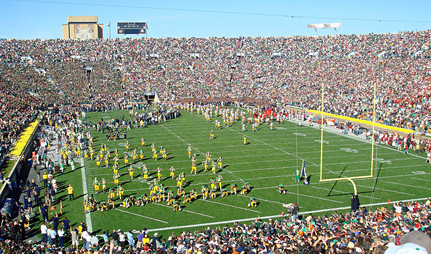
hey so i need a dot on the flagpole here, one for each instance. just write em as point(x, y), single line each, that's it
point(297, 166)
point(321, 133)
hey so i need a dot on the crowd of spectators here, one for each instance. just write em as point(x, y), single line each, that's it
point(362, 231)
point(109, 74)
point(287, 70)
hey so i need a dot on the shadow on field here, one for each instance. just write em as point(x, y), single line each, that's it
point(351, 193)
point(188, 183)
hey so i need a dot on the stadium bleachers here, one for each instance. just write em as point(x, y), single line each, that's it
point(36, 74)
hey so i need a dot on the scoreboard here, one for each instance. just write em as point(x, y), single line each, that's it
point(132, 27)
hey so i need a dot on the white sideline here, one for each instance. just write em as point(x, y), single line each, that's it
point(273, 216)
point(85, 192)
point(146, 217)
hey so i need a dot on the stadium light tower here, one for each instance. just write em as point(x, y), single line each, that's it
point(324, 26)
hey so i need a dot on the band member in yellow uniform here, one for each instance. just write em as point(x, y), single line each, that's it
point(181, 192)
point(205, 165)
point(159, 173)
point(164, 154)
point(220, 162)
point(213, 194)
point(116, 178)
point(161, 150)
point(171, 197)
point(116, 160)
point(187, 199)
point(189, 151)
point(172, 172)
point(176, 206)
point(131, 169)
point(120, 191)
point(145, 172)
point(213, 167)
point(204, 191)
point(193, 195)
point(193, 168)
point(224, 193)
point(142, 141)
point(115, 168)
point(245, 140)
point(208, 156)
point(106, 161)
point(233, 189)
point(219, 178)
point(213, 184)
point(126, 159)
point(96, 185)
point(86, 206)
point(98, 161)
point(244, 190)
point(212, 134)
point(141, 155)
point(135, 155)
point(111, 193)
point(252, 202)
point(183, 178)
point(179, 183)
point(155, 155)
point(103, 183)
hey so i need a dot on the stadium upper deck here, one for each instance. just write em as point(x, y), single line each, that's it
point(280, 70)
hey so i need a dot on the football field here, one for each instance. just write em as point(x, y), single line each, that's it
point(270, 158)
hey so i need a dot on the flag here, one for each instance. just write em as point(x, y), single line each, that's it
point(303, 170)
point(304, 173)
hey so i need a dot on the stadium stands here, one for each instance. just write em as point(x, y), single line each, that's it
point(36, 74)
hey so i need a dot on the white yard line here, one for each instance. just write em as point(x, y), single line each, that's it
point(342, 192)
point(237, 207)
point(314, 197)
point(398, 192)
point(420, 179)
point(187, 211)
point(146, 217)
point(408, 185)
point(85, 192)
point(266, 200)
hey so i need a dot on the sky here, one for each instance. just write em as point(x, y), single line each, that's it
point(43, 19)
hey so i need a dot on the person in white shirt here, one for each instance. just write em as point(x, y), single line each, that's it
point(122, 239)
point(94, 240)
point(44, 232)
point(52, 237)
point(84, 235)
point(60, 234)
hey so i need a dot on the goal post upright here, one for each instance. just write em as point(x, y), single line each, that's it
point(321, 131)
point(350, 179)
point(372, 133)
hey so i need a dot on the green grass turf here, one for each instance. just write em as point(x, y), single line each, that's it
point(270, 159)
